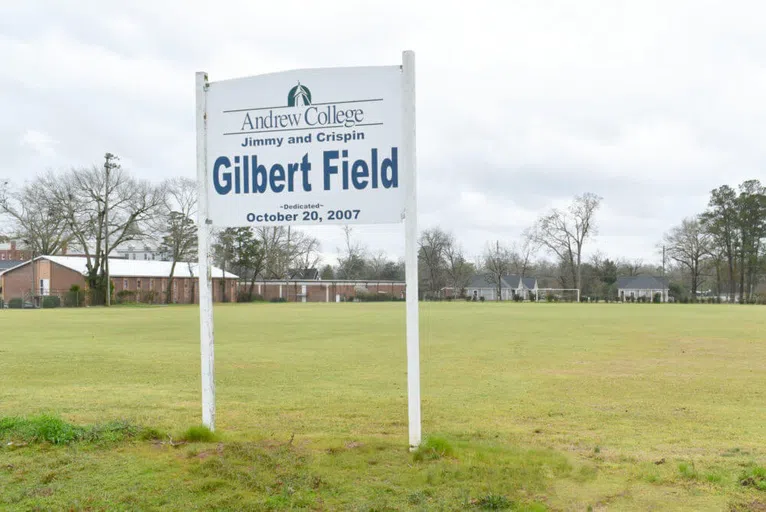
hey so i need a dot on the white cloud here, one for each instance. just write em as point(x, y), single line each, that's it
point(521, 105)
point(40, 143)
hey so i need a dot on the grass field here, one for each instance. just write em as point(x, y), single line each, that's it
point(527, 407)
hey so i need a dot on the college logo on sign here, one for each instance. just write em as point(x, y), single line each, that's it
point(300, 95)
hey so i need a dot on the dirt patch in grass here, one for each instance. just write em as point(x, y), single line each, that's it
point(753, 506)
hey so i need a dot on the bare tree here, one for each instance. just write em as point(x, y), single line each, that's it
point(457, 268)
point(377, 264)
point(688, 244)
point(432, 244)
point(631, 267)
point(286, 249)
point(496, 263)
point(564, 233)
point(175, 225)
point(35, 219)
point(303, 250)
point(352, 261)
point(80, 196)
point(522, 256)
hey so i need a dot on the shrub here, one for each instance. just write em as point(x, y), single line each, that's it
point(148, 297)
point(657, 298)
point(75, 298)
point(51, 301)
point(15, 303)
point(278, 299)
point(481, 298)
point(125, 296)
point(374, 297)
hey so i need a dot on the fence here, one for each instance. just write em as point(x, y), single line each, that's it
point(321, 291)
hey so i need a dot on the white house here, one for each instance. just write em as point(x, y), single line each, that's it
point(482, 285)
point(133, 252)
point(642, 286)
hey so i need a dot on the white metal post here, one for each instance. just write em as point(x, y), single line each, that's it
point(203, 270)
point(411, 246)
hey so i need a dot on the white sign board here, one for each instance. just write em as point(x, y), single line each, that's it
point(309, 147)
point(317, 146)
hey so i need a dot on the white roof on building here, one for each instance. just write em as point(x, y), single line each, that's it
point(134, 268)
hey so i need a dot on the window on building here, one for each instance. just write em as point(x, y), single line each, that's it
point(151, 284)
point(124, 284)
point(138, 284)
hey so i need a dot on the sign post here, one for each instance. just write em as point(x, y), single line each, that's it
point(411, 247)
point(309, 147)
point(203, 268)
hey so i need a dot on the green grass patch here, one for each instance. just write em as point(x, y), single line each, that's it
point(688, 471)
point(715, 476)
point(561, 406)
point(755, 477)
point(433, 448)
point(199, 434)
point(53, 430)
point(493, 502)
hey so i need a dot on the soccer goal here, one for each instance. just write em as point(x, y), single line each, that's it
point(557, 295)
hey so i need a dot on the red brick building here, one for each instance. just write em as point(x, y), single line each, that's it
point(324, 291)
point(10, 251)
point(134, 280)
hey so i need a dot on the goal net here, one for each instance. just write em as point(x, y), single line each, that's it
point(557, 295)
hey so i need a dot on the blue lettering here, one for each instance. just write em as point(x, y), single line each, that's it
point(260, 179)
point(277, 175)
point(390, 179)
point(236, 175)
point(328, 168)
point(360, 170)
point(219, 175)
point(305, 168)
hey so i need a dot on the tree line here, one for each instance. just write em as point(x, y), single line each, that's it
point(560, 233)
point(96, 210)
point(723, 247)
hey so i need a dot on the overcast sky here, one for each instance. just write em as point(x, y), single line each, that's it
point(521, 105)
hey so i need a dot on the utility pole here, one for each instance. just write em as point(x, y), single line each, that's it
point(108, 166)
